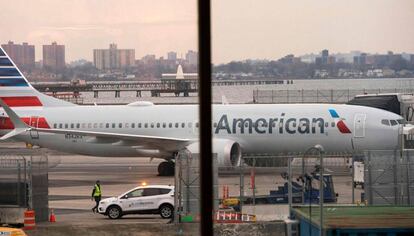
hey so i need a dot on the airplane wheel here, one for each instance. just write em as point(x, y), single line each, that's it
point(166, 168)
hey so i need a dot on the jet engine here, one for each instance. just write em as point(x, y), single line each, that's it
point(228, 152)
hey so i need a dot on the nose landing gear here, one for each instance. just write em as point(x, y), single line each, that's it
point(166, 168)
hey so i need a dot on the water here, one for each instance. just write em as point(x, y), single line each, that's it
point(244, 93)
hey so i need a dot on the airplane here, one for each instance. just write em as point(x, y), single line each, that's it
point(142, 129)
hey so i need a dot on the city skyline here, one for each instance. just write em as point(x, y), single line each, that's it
point(241, 29)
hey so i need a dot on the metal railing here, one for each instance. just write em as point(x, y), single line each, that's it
point(318, 95)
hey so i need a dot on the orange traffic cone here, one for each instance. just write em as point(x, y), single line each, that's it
point(52, 216)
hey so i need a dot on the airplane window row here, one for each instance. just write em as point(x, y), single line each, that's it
point(121, 125)
point(153, 125)
point(392, 122)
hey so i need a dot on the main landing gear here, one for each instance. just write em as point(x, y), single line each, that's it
point(166, 168)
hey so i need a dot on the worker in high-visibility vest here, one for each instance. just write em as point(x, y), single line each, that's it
point(96, 195)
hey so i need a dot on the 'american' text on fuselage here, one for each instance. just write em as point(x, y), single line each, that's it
point(271, 125)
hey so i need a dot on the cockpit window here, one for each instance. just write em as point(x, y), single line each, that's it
point(401, 121)
point(385, 122)
point(393, 122)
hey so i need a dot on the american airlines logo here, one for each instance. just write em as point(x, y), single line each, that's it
point(339, 122)
point(278, 125)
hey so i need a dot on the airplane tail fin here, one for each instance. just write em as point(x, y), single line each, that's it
point(16, 91)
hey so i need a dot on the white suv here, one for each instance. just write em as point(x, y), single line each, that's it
point(151, 199)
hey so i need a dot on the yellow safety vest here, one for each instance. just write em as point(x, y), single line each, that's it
point(97, 192)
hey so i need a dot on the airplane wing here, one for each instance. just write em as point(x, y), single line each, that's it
point(132, 140)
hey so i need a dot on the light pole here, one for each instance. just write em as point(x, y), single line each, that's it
point(321, 151)
point(321, 186)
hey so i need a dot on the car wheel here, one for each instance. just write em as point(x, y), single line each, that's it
point(114, 212)
point(166, 211)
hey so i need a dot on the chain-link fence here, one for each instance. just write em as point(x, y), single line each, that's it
point(14, 181)
point(318, 95)
point(263, 183)
point(389, 177)
point(24, 181)
point(187, 186)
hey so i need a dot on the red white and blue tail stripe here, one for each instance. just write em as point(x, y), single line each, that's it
point(16, 91)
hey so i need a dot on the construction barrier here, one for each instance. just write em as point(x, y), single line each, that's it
point(29, 220)
point(233, 217)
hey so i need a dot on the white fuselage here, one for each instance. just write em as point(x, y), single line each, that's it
point(267, 128)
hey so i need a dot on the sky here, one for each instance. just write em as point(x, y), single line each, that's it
point(241, 29)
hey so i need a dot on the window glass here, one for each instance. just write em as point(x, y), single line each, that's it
point(55, 126)
point(385, 122)
point(164, 190)
point(151, 191)
point(72, 126)
point(60, 126)
point(77, 125)
point(89, 125)
point(170, 125)
point(401, 121)
point(393, 122)
point(126, 125)
point(152, 125)
point(107, 125)
point(196, 124)
point(139, 125)
point(146, 125)
point(66, 126)
point(101, 125)
point(164, 125)
point(333, 124)
point(158, 125)
point(135, 193)
point(95, 125)
point(113, 125)
point(183, 125)
point(132, 125)
point(176, 125)
point(120, 125)
point(83, 125)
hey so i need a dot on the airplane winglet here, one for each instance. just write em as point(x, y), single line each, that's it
point(19, 125)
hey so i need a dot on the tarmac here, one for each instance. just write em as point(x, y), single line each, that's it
point(72, 177)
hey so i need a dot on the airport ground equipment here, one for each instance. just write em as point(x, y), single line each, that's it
point(356, 220)
point(12, 231)
point(358, 174)
point(398, 103)
point(309, 194)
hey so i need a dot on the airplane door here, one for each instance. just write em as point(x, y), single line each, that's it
point(34, 122)
point(195, 127)
point(359, 125)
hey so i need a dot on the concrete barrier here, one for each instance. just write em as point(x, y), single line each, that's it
point(265, 228)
